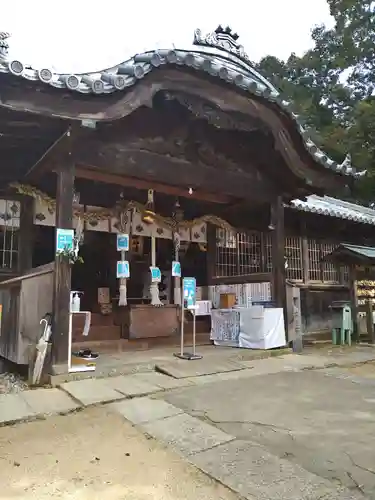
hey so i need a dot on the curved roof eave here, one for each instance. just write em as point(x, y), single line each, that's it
point(333, 207)
point(217, 54)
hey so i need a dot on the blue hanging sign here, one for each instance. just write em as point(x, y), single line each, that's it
point(64, 240)
point(189, 286)
point(155, 274)
point(176, 269)
point(122, 242)
point(123, 269)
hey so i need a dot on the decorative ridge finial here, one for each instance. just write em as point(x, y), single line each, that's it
point(346, 165)
point(4, 46)
point(226, 31)
point(222, 38)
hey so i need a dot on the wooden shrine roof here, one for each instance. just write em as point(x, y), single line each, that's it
point(354, 254)
point(113, 93)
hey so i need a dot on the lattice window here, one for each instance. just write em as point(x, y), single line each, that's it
point(238, 254)
point(9, 232)
point(345, 274)
point(331, 272)
point(226, 253)
point(293, 254)
point(314, 260)
point(249, 252)
point(318, 269)
point(267, 248)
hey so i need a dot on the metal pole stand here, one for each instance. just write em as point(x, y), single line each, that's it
point(190, 356)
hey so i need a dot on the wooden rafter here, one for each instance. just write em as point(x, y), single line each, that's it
point(83, 172)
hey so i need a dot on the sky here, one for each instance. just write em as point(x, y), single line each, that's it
point(80, 35)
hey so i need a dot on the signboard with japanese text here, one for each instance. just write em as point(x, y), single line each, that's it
point(64, 240)
point(189, 286)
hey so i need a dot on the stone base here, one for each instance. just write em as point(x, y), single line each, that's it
point(59, 369)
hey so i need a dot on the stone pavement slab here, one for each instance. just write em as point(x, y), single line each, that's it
point(304, 362)
point(197, 368)
point(186, 434)
point(144, 410)
point(321, 423)
point(161, 380)
point(49, 401)
point(253, 472)
point(289, 362)
point(131, 386)
point(13, 407)
point(91, 391)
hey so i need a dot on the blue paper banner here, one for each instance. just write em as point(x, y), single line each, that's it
point(122, 242)
point(123, 269)
point(176, 269)
point(155, 274)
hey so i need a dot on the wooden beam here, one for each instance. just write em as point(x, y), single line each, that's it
point(45, 160)
point(244, 278)
point(62, 275)
point(61, 148)
point(120, 180)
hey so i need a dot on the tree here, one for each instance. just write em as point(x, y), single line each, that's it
point(353, 47)
point(332, 86)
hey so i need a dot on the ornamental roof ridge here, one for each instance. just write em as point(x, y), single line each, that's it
point(222, 38)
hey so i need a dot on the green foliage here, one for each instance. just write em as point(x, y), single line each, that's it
point(333, 86)
point(71, 256)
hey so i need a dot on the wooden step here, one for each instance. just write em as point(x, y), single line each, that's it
point(97, 333)
point(202, 325)
point(112, 346)
point(97, 319)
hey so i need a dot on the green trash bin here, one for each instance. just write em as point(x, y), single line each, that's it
point(342, 325)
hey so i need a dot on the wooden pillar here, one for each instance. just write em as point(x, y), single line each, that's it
point(26, 236)
point(62, 281)
point(211, 253)
point(278, 256)
point(354, 301)
point(305, 253)
point(369, 321)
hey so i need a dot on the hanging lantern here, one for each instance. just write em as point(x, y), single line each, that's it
point(149, 213)
point(76, 197)
point(178, 213)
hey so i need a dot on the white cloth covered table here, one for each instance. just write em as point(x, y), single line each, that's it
point(255, 327)
point(262, 330)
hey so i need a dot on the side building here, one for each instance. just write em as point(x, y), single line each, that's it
point(314, 227)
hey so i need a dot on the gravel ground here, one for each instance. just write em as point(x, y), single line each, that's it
point(11, 383)
point(95, 455)
point(366, 370)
